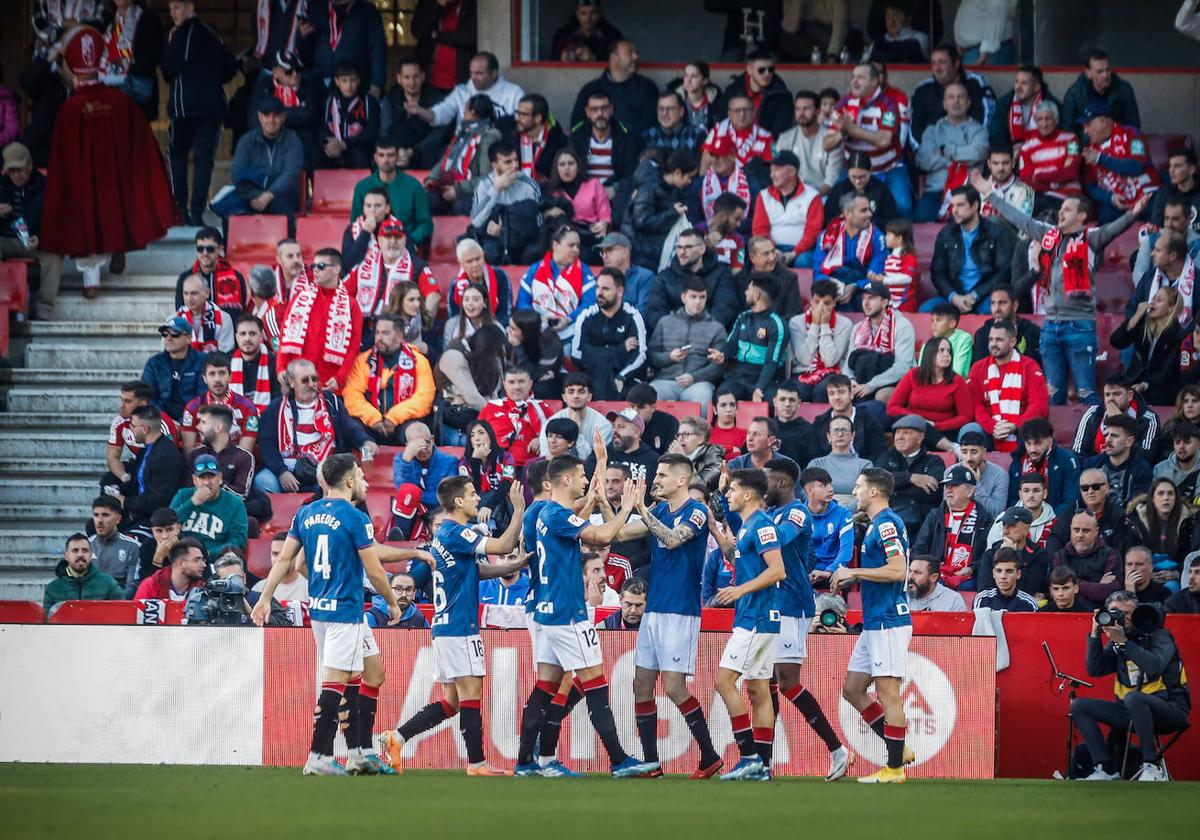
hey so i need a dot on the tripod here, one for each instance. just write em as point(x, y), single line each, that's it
point(1071, 685)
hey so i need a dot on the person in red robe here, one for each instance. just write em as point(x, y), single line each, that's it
point(107, 190)
point(323, 324)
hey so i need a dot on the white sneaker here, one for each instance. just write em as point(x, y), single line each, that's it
point(1099, 774)
point(322, 765)
point(355, 763)
point(1153, 773)
point(839, 762)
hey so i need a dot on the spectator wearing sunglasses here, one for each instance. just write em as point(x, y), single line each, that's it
point(226, 286)
point(323, 324)
point(176, 374)
point(771, 98)
point(1095, 497)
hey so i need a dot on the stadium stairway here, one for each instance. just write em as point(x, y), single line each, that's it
point(61, 396)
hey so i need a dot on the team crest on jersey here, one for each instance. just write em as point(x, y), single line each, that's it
point(887, 531)
point(762, 332)
point(889, 119)
point(574, 520)
point(767, 534)
point(404, 362)
point(796, 516)
point(697, 518)
point(1137, 147)
point(251, 424)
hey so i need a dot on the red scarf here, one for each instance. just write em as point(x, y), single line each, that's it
point(833, 243)
point(348, 126)
point(456, 162)
point(460, 283)
point(1076, 260)
point(322, 426)
point(204, 333)
point(404, 379)
point(335, 25)
point(1102, 429)
point(261, 395)
point(1003, 389)
point(556, 297)
point(883, 341)
point(817, 369)
point(956, 176)
point(958, 554)
point(713, 185)
point(371, 294)
point(262, 23)
point(337, 324)
point(290, 97)
point(225, 286)
point(1042, 467)
point(1185, 285)
point(1020, 119)
point(531, 153)
point(284, 293)
point(118, 44)
point(1124, 143)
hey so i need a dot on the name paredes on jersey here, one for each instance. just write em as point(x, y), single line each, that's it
point(322, 519)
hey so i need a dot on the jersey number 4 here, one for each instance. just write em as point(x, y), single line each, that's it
point(321, 557)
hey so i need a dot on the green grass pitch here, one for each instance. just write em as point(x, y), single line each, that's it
point(107, 801)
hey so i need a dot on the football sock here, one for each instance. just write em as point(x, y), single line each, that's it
point(744, 735)
point(873, 715)
point(764, 742)
point(470, 723)
point(646, 715)
point(368, 701)
point(893, 737)
point(533, 718)
point(326, 723)
point(774, 688)
point(426, 719)
point(349, 717)
point(808, 706)
point(560, 707)
point(596, 692)
point(693, 715)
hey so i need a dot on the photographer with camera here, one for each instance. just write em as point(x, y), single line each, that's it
point(226, 600)
point(1151, 688)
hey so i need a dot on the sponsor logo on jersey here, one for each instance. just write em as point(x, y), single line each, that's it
point(887, 531)
point(327, 604)
point(796, 516)
point(370, 531)
point(698, 518)
point(889, 119)
point(767, 534)
point(470, 535)
point(575, 520)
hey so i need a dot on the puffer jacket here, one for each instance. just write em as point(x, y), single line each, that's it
point(666, 291)
point(92, 585)
point(676, 330)
point(651, 214)
point(707, 461)
point(1135, 529)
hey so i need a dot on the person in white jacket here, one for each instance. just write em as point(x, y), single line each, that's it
point(485, 80)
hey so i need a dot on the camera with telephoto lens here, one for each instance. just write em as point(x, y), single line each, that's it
point(1145, 619)
point(219, 602)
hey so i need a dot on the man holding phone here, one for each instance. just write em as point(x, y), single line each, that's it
point(679, 345)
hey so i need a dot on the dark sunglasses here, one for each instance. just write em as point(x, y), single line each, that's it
point(321, 266)
point(765, 71)
point(1084, 488)
point(206, 249)
point(307, 379)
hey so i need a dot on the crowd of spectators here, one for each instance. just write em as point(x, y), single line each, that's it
point(644, 251)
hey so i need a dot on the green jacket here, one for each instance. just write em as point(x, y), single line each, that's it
point(962, 346)
point(216, 524)
point(410, 204)
point(93, 585)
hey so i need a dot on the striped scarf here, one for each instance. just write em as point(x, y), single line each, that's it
point(262, 25)
point(337, 324)
point(261, 395)
point(365, 280)
point(883, 341)
point(290, 430)
point(1185, 285)
point(204, 332)
point(817, 369)
point(118, 52)
point(1003, 388)
point(833, 243)
point(1020, 118)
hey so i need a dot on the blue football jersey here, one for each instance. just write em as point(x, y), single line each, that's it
point(332, 532)
point(794, 526)
point(758, 610)
point(678, 573)
point(560, 598)
point(884, 604)
point(529, 532)
point(456, 579)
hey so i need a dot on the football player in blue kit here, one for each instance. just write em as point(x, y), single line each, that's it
point(564, 639)
point(459, 664)
point(794, 526)
point(880, 652)
point(670, 629)
point(750, 651)
point(339, 547)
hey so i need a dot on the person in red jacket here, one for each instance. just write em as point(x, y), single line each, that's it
point(789, 211)
point(934, 391)
point(1116, 167)
point(1007, 388)
point(1049, 160)
point(516, 420)
point(174, 581)
point(323, 324)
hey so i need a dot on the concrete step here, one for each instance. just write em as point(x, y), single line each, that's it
point(47, 491)
point(38, 421)
point(51, 378)
point(26, 584)
point(137, 336)
point(43, 354)
point(142, 283)
point(75, 453)
point(45, 516)
point(33, 541)
point(86, 399)
point(152, 306)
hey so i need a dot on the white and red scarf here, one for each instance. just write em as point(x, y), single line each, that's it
point(833, 243)
point(958, 554)
point(754, 142)
point(404, 378)
point(261, 394)
point(881, 341)
point(900, 274)
point(1020, 118)
point(818, 368)
point(1185, 285)
point(118, 41)
point(1124, 143)
point(337, 324)
point(456, 162)
point(225, 285)
point(531, 152)
point(714, 185)
point(371, 294)
point(285, 291)
point(1077, 266)
point(204, 330)
point(956, 176)
point(1003, 389)
point(267, 313)
point(290, 97)
point(289, 431)
point(462, 281)
point(345, 122)
point(556, 297)
point(262, 24)
point(335, 25)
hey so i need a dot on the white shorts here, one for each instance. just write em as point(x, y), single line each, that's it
point(457, 656)
point(792, 647)
point(750, 653)
point(881, 653)
point(571, 647)
point(342, 645)
point(667, 642)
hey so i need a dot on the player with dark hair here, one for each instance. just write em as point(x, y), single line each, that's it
point(750, 651)
point(670, 629)
point(794, 527)
point(564, 639)
point(459, 663)
point(880, 651)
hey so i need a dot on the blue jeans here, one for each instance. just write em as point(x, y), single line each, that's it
point(896, 180)
point(267, 482)
point(1069, 347)
point(803, 260)
point(982, 307)
point(1007, 54)
point(927, 206)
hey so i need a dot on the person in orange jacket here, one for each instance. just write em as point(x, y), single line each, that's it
point(390, 384)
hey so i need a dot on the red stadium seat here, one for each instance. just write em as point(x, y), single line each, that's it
point(14, 295)
point(1120, 249)
point(552, 406)
point(316, 232)
point(252, 239)
point(924, 236)
point(333, 191)
point(258, 557)
point(516, 273)
point(1114, 288)
point(810, 411)
point(419, 174)
point(21, 612)
point(1164, 412)
point(1065, 420)
point(379, 472)
point(1160, 146)
point(747, 410)
point(679, 408)
point(379, 507)
point(1000, 459)
point(283, 510)
point(456, 451)
point(446, 231)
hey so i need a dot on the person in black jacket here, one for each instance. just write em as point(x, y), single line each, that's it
point(657, 205)
point(419, 145)
point(157, 472)
point(961, 521)
point(587, 28)
point(22, 193)
point(946, 66)
point(772, 100)
point(360, 39)
point(446, 23)
point(349, 122)
point(610, 338)
point(1154, 333)
point(607, 147)
point(47, 90)
point(302, 100)
point(918, 473)
point(136, 74)
point(859, 181)
point(195, 64)
point(869, 442)
point(634, 97)
point(757, 346)
point(692, 258)
point(969, 287)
